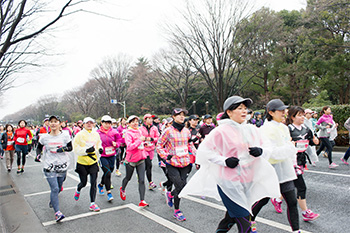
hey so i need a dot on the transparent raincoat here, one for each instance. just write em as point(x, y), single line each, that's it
point(252, 180)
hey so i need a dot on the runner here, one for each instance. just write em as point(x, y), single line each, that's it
point(56, 161)
point(22, 134)
point(311, 150)
point(110, 142)
point(65, 128)
point(207, 127)
point(346, 156)
point(150, 132)
point(302, 137)
point(282, 157)
point(121, 156)
point(193, 127)
point(173, 147)
point(43, 130)
point(135, 158)
point(86, 144)
point(232, 168)
point(2, 131)
point(8, 143)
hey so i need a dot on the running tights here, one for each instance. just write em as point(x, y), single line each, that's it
point(243, 224)
point(83, 182)
point(148, 162)
point(19, 155)
point(140, 169)
point(326, 143)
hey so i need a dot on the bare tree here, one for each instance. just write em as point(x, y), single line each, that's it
point(209, 39)
point(21, 23)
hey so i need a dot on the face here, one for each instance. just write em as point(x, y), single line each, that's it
point(54, 124)
point(106, 124)
point(89, 125)
point(308, 115)
point(123, 121)
point(208, 121)
point(9, 128)
point(239, 114)
point(46, 123)
point(194, 123)
point(1, 128)
point(149, 121)
point(328, 111)
point(63, 124)
point(22, 124)
point(315, 115)
point(299, 118)
point(277, 115)
point(156, 120)
point(179, 118)
point(134, 123)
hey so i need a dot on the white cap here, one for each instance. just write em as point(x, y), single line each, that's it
point(132, 117)
point(88, 119)
point(106, 118)
point(114, 121)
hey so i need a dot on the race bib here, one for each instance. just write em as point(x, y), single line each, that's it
point(181, 150)
point(53, 150)
point(9, 143)
point(149, 144)
point(141, 146)
point(110, 150)
point(20, 140)
point(302, 145)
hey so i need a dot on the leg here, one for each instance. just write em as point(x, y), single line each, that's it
point(140, 169)
point(106, 178)
point(322, 146)
point(301, 192)
point(117, 160)
point(347, 154)
point(18, 159)
point(178, 177)
point(12, 156)
point(8, 159)
point(54, 186)
point(83, 181)
point(258, 206)
point(225, 224)
point(148, 165)
point(292, 209)
point(243, 224)
point(329, 148)
point(93, 179)
point(129, 171)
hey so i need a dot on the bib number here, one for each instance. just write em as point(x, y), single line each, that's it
point(141, 146)
point(20, 140)
point(181, 151)
point(9, 143)
point(302, 145)
point(109, 150)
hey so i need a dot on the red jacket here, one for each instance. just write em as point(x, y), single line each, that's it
point(20, 137)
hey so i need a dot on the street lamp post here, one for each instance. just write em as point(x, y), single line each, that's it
point(206, 107)
point(114, 101)
point(194, 107)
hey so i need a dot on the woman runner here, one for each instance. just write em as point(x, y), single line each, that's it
point(8, 143)
point(22, 135)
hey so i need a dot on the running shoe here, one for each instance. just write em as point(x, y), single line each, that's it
point(94, 207)
point(22, 170)
point(152, 185)
point(61, 188)
point(112, 187)
point(169, 199)
point(277, 205)
point(9, 170)
point(18, 171)
point(37, 160)
point(313, 164)
point(59, 216)
point(110, 197)
point(253, 227)
point(118, 173)
point(122, 194)
point(179, 216)
point(143, 204)
point(162, 188)
point(100, 189)
point(309, 216)
point(344, 161)
point(76, 195)
point(333, 165)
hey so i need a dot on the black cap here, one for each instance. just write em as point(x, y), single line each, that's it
point(193, 117)
point(207, 116)
point(54, 117)
point(276, 104)
point(236, 100)
point(155, 117)
point(177, 111)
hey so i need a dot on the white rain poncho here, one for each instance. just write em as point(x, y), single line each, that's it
point(282, 152)
point(56, 164)
point(252, 180)
point(311, 150)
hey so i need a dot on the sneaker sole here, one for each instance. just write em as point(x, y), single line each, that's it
point(111, 199)
point(311, 219)
point(179, 219)
point(166, 201)
point(58, 220)
point(94, 210)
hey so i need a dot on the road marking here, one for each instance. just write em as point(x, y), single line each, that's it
point(258, 219)
point(153, 217)
point(327, 173)
point(46, 192)
point(76, 178)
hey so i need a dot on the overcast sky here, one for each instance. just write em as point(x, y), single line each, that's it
point(86, 39)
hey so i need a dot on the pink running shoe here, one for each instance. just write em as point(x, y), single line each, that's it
point(94, 208)
point(310, 216)
point(344, 161)
point(277, 205)
point(76, 195)
point(333, 165)
point(143, 204)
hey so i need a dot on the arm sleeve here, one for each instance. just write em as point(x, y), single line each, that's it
point(161, 150)
point(69, 146)
point(129, 142)
point(39, 148)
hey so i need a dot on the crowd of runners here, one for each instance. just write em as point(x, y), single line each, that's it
point(241, 157)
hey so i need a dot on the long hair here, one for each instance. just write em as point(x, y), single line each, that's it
point(292, 112)
point(7, 125)
point(324, 110)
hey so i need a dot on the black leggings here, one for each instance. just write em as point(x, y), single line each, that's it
point(19, 158)
point(243, 224)
point(292, 208)
point(119, 157)
point(106, 163)
point(148, 162)
point(326, 143)
point(83, 182)
point(300, 186)
point(178, 176)
point(140, 169)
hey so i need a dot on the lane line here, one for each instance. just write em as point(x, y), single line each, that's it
point(74, 217)
point(46, 192)
point(258, 219)
point(159, 220)
point(327, 173)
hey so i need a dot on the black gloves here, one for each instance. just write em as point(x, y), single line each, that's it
point(100, 151)
point(90, 150)
point(255, 151)
point(169, 157)
point(232, 162)
point(61, 149)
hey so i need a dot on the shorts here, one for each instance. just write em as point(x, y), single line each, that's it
point(22, 148)
point(86, 169)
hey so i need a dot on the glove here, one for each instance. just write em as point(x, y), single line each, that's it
point(169, 157)
point(90, 150)
point(100, 151)
point(61, 149)
point(232, 162)
point(255, 151)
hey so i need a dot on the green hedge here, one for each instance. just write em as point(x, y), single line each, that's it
point(340, 114)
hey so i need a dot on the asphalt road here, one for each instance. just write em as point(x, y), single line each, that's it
point(328, 193)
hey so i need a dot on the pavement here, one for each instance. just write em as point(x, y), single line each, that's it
point(24, 205)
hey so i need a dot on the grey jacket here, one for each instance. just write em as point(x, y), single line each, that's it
point(324, 131)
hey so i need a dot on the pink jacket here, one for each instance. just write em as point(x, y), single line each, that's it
point(112, 135)
point(121, 130)
point(153, 134)
point(135, 150)
point(325, 118)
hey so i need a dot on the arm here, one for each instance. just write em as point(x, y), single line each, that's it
point(79, 145)
point(347, 124)
point(161, 150)
point(132, 145)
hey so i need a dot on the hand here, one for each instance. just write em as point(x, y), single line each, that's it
point(143, 138)
point(328, 126)
point(316, 141)
point(198, 135)
point(100, 151)
point(148, 139)
point(60, 150)
point(198, 166)
point(232, 162)
point(114, 143)
point(169, 157)
point(255, 151)
point(90, 149)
